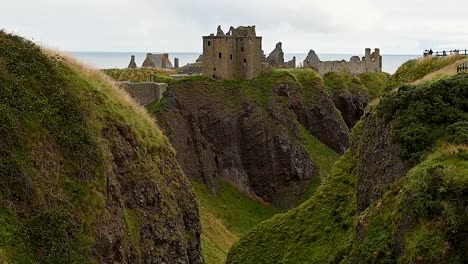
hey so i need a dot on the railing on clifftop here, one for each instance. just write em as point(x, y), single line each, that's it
point(445, 53)
point(462, 67)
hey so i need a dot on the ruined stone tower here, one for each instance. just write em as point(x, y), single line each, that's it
point(235, 55)
point(369, 63)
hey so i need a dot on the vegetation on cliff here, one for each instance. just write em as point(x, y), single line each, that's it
point(85, 174)
point(369, 83)
point(225, 217)
point(140, 74)
point(416, 69)
point(420, 216)
point(292, 104)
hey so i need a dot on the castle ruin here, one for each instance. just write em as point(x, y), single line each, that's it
point(369, 63)
point(157, 61)
point(234, 55)
point(276, 58)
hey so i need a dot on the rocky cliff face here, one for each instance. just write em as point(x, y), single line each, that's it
point(247, 133)
point(380, 161)
point(259, 151)
point(86, 175)
point(398, 194)
point(351, 105)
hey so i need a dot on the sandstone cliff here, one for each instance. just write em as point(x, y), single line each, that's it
point(86, 176)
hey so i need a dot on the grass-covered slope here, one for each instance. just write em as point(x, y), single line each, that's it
point(140, 74)
point(318, 231)
point(225, 217)
point(86, 176)
point(417, 69)
point(369, 83)
point(421, 218)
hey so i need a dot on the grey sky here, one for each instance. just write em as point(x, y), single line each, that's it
point(327, 26)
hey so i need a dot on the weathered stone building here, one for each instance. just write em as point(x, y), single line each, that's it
point(235, 55)
point(369, 63)
point(145, 93)
point(132, 64)
point(157, 61)
point(276, 58)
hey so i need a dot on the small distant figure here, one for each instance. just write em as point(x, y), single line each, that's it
point(430, 52)
point(444, 53)
point(132, 64)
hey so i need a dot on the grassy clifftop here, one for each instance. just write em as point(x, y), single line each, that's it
point(85, 174)
point(417, 69)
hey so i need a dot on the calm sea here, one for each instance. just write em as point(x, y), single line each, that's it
point(104, 60)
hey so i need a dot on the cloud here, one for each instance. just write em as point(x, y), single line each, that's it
point(332, 26)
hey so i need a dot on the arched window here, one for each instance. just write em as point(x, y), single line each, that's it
point(209, 43)
point(220, 55)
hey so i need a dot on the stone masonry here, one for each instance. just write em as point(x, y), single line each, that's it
point(369, 63)
point(132, 64)
point(234, 55)
point(276, 58)
point(157, 61)
point(145, 93)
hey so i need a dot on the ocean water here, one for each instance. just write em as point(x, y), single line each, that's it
point(105, 60)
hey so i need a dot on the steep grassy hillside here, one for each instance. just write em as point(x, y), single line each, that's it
point(86, 176)
point(225, 217)
point(416, 69)
point(398, 195)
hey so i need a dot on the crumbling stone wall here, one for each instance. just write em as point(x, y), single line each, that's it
point(276, 58)
point(146, 92)
point(132, 64)
point(234, 55)
point(157, 61)
point(369, 63)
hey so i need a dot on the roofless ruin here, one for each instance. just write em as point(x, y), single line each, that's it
point(234, 55)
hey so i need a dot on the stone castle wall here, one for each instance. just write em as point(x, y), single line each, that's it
point(145, 93)
point(235, 55)
point(369, 63)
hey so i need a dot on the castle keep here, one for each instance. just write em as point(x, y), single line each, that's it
point(234, 55)
point(369, 63)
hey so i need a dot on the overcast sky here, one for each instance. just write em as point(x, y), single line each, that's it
point(327, 26)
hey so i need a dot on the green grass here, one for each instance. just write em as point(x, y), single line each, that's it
point(370, 83)
point(418, 68)
point(140, 74)
point(324, 158)
point(318, 231)
point(58, 124)
point(225, 217)
point(420, 115)
point(421, 219)
point(433, 195)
